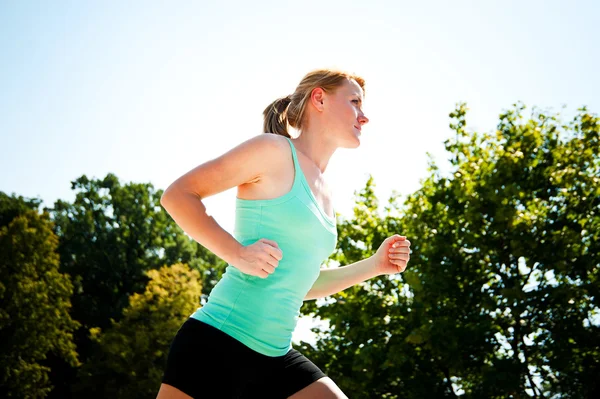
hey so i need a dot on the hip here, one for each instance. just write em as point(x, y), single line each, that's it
point(204, 359)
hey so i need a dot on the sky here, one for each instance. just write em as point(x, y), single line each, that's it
point(148, 90)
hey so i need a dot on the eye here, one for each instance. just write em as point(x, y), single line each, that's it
point(355, 101)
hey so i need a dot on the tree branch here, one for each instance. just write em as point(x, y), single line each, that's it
point(533, 385)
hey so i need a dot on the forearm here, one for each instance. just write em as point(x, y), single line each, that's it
point(188, 211)
point(331, 281)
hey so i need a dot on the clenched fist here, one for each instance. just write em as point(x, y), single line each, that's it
point(259, 259)
point(392, 256)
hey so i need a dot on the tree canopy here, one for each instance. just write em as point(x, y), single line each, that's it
point(36, 301)
point(500, 298)
point(131, 354)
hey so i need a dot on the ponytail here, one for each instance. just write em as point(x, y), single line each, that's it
point(275, 117)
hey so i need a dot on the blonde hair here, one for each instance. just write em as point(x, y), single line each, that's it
point(290, 110)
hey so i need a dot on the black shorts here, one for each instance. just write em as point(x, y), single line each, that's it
point(205, 362)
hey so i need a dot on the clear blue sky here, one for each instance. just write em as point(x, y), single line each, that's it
point(149, 89)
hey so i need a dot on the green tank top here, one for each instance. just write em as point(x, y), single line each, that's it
point(262, 313)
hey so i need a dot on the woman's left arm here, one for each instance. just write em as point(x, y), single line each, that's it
point(391, 257)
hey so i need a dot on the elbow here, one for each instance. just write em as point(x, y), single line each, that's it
point(173, 194)
point(168, 195)
point(311, 295)
point(165, 197)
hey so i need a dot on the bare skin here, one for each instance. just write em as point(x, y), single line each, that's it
point(167, 391)
point(279, 181)
point(332, 121)
point(323, 388)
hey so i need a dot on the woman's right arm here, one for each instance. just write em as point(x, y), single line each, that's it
point(182, 200)
point(189, 212)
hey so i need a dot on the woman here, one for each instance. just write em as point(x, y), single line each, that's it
point(239, 344)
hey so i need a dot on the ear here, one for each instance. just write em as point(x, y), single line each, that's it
point(316, 98)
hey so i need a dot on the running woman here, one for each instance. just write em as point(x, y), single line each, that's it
point(238, 345)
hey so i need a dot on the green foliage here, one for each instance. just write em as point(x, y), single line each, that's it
point(35, 301)
point(500, 299)
point(502, 287)
point(131, 354)
point(110, 236)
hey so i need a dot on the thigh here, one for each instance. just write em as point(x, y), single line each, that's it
point(204, 362)
point(324, 388)
point(167, 391)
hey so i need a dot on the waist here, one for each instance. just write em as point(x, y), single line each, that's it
point(263, 332)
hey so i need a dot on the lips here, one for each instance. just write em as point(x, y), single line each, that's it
point(359, 129)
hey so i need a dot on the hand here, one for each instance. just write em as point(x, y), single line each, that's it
point(259, 259)
point(393, 255)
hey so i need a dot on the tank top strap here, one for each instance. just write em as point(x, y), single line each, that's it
point(300, 180)
point(297, 169)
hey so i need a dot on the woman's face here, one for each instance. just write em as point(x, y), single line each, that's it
point(344, 115)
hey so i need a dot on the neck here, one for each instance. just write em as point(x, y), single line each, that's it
point(314, 147)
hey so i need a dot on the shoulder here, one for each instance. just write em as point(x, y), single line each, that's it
point(263, 152)
point(247, 162)
point(269, 143)
point(272, 139)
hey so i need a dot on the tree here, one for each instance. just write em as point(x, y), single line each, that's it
point(110, 236)
point(502, 287)
point(35, 301)
point(131, 354)
point(367, 349)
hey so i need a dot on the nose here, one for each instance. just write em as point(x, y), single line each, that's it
point(362, 119)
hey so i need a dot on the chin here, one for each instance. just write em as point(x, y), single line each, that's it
point(355, 143)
